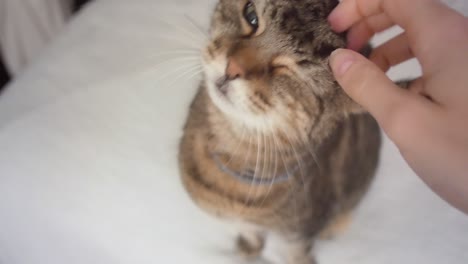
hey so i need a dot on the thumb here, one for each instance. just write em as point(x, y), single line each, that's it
point(366, 84)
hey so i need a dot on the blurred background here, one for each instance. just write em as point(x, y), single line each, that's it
point(90, 122)
point(27, 26)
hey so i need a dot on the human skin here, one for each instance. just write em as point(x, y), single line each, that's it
point(428, 122)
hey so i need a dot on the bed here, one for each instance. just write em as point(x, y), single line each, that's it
point(88, 144)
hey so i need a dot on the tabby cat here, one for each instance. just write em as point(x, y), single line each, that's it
point(272, 142)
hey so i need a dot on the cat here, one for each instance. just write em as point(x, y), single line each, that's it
point(271, 140)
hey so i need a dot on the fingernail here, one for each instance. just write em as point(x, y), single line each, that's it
point(340, 61)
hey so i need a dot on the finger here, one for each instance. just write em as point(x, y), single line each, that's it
point(360, 34)
point(414, 16)
point(366, 84)
point(392, 53)
point(407, 14)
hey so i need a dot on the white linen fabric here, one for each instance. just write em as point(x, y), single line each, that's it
point(88, 168)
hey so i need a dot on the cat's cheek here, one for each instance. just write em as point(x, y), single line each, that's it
point(214, 70)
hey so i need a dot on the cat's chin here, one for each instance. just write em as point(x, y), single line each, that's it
point(225, 104)
point(259, 123)
point(220, 97)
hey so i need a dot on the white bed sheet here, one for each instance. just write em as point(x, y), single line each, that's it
point(88, 170)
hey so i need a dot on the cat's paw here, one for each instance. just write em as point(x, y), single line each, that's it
point(304, 260)
point(338, 226)
point(250, 247)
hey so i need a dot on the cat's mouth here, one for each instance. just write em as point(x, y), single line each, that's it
point(222, 89)
point(222, 85)
point(238, 85)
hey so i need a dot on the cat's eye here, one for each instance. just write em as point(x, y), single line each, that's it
point(250, 15)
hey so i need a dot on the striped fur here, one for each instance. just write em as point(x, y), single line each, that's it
point(297, 116)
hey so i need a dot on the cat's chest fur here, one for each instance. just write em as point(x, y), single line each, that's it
point(318, 188)
point(271, 139)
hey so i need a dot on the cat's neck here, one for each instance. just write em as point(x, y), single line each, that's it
point(252, 155)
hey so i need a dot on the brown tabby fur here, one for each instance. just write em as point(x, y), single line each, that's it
point(284, 113)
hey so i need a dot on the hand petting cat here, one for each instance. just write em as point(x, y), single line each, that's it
point(428, 122)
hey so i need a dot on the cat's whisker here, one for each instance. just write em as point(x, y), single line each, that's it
point(257, 162)
point(271, 164)
point(292, 189)
point(163, 73)
point(171, 34)
point(194, 52)
point(181, 58)
point(243, 134)
point(279, 150)
point(187, 32)
point(308, 146)
point(310, 149)
point(250, 142)
point(155, 68)
point(297, 157)
point(194, 74)
point(196, 68)
point(176, 70)
point(264, 169)
point(198, 73)
point(306, 142)
point(129, 34)
point(273, 152)
point(180, 40)
point(191, 72)
point(264, 158)
point(197, 26)
point(246, 161)
point(237, 147)
point(180, 70)
point(194, 71)
point(281, 186)
point(277, 144)
point(256, 166)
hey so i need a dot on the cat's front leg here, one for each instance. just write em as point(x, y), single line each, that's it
point(250, 241)
point(299, 252)
point(250, 245)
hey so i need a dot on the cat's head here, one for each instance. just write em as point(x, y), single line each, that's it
point(266, 65)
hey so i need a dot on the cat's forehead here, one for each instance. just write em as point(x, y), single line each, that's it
point(286, 9)
point(288, 16)
point(299, 25)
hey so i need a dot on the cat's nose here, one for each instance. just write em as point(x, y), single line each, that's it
point(234, 70)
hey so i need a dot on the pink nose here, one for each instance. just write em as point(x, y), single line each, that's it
point(234, 70)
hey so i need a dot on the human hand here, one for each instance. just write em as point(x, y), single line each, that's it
point(428, 122)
